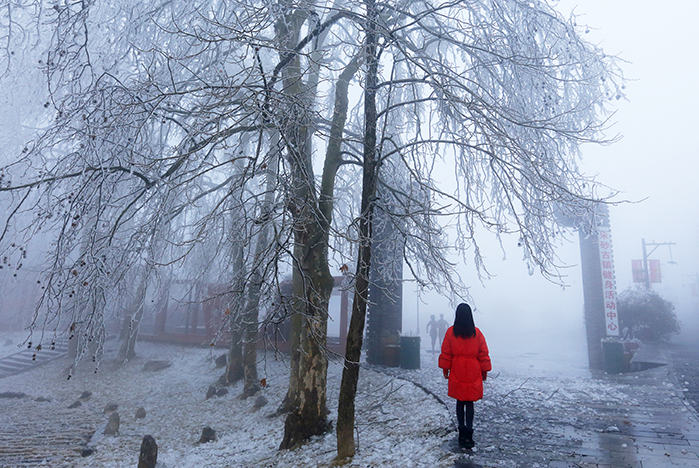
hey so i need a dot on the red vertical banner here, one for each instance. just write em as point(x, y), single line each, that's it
point(654, 267)
point(639, 274)
point(608, 281)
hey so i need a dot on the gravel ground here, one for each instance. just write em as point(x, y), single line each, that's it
point(685, 360)
point(528, 418)
point(538, 406)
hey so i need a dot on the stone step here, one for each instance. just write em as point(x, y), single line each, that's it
point(28, 358)
point(20, 357)
point(38, 442)
point(11, 365)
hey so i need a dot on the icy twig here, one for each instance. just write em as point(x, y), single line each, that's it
point(518, 388)
point(521, 387)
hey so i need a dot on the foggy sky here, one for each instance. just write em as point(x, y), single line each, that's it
point(654, 162)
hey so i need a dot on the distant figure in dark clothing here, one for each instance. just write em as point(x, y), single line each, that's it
point(465, 361)
point(442, 324)
point(433, 330)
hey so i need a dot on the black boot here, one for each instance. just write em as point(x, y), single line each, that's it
point(468, 443)
point(463, 437)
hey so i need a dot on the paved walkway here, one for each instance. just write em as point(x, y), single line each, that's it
point(633, 420)
point(650, 426)
point(659, 430)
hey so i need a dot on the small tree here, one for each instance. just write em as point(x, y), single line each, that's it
point(641, 308)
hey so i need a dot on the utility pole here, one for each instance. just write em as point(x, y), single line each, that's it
point(655, 245)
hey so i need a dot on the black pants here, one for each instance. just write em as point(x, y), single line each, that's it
point(460, 413)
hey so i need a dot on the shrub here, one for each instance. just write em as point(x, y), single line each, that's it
point(647, 313)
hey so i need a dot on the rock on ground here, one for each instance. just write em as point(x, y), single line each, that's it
point(148, 457)
point(113, 424)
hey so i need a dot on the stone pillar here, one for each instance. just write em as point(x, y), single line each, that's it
point(593, 293)
point(385, 309)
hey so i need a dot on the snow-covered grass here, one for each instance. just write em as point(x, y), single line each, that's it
point(393, 418)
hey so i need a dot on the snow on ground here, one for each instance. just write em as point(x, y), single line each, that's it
point(401, 420)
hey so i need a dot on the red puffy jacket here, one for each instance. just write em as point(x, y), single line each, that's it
point(466, 359)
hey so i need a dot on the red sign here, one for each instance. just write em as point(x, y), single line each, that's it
point(639, 274)
point(609, 282)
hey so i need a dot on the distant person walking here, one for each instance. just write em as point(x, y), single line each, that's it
point(466, 362)
point(442, 324)
point(433, 330)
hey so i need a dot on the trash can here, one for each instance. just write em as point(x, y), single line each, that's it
point(391, 355)
point(410, 352)
point(613, 352)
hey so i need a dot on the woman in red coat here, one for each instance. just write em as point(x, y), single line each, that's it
point(466, 363)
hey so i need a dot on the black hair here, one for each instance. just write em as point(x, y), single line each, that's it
point(464, 327)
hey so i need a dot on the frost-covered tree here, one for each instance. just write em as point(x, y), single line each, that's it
point(114, 173)
point(170, 113)
point(648, 314)
point(505, 92)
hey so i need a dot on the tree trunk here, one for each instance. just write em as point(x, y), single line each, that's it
point(350, 374)
point(312, 280)
point(250, 321)
point(295, 322)
point(308, 416)
point(287, 33)
point(129, 330)
point(234, 363)
point(128, 346)
point(313, 285)
point(252, 306)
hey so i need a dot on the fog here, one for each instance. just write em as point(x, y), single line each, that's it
point(654, 168)
point(221, 264)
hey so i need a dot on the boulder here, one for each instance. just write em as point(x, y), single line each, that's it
point(207, 435)
point(141, 413)
point(221, 361)
point(85, 395)
point(260, 401)
point(109, 407)
point(148, 457)
point(95, 438)
point(12, 395)
point(112, 426)
point(76, 404)
point(154, 366)
point(42, 399)
point(210, 392)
